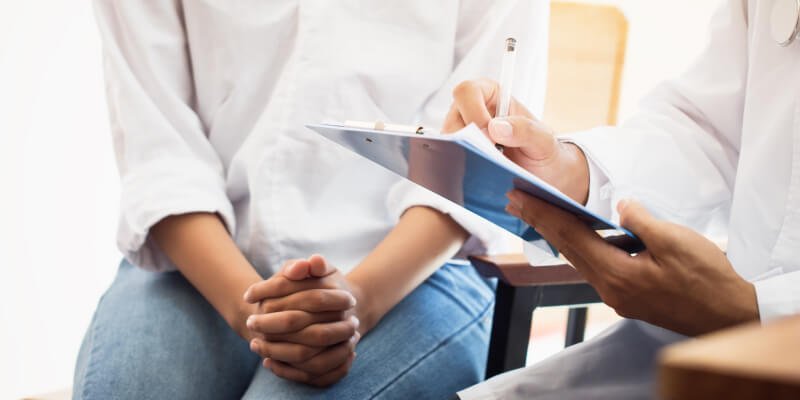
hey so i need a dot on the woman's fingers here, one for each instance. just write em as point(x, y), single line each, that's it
point(334, 376)
point(319, 267)
point(314, 267)
point(312, 300)
point(290, 321)
point(319, 335)
point(284, 351)
point(296, 270)
point(286, 371)
point(330, 359)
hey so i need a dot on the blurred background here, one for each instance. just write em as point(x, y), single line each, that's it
point(59, 189)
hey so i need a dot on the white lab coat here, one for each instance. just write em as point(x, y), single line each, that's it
point(717, 149)
point(208, 101)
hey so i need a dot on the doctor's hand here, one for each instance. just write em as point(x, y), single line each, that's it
point(308, 324)
point(682, 282)
point(528, 142)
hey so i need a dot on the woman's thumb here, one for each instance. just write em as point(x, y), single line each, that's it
point(319, 267)
point(296, 270)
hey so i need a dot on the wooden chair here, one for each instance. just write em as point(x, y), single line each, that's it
point(60, 395)
point(587, 52)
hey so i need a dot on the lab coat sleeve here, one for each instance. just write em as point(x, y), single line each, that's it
point(778, 296)
point(482, 29)
point(678, 154)
point(166, 163)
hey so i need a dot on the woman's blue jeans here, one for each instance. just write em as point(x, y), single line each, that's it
point(154, 336)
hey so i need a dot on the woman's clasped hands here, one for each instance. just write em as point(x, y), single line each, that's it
point(307, 327)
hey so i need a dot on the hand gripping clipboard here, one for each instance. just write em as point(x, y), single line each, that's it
point(466, 169)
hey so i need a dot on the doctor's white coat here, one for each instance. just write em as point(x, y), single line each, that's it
point(717, 149)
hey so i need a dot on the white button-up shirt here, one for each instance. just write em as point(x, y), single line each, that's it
point(719, 150)
point(208, 99)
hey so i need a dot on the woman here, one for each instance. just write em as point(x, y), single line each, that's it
point(221, 183)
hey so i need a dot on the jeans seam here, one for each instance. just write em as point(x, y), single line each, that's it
point(449, 293)
point(441, 344)
point(91, 357)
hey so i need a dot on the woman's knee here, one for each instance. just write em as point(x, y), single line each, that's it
point(153, 335)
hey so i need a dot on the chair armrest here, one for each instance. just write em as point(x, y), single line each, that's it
point(515, 270)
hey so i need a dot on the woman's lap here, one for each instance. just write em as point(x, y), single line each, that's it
point(429, 346)
point(154, 336)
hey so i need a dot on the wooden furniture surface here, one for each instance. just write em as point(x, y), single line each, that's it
point(515, 270)
point(586, 59)
point(748, 362)
point(60, 395)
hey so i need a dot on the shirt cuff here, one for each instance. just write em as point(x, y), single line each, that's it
point(600, 188)
point(777, 295)
point(160, 189)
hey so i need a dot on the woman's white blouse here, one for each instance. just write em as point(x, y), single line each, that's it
point(208, 99)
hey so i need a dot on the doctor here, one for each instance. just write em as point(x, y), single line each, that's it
point(715, 151)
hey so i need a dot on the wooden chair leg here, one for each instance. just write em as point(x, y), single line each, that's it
point(511, 327)
point(576, 325)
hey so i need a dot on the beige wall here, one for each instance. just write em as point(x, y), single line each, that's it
point(664, 37)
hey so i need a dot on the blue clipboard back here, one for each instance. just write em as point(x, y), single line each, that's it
point(463, 173)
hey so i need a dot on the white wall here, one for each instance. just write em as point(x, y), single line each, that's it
point(663, 38)
point(58, 198)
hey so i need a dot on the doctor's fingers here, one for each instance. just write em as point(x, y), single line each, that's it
point(660, 237)
point(475, 101)
point(583, 247)
point(290, 321)
point(324, 334)
point(536, 140)
point(452, 121)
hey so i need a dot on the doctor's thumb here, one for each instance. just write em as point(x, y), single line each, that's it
point(635, 218)
point(523, 132)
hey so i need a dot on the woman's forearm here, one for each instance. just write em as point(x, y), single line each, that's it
point(200, 246)
point(422, 241)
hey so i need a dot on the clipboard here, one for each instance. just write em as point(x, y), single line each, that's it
point(466, 169)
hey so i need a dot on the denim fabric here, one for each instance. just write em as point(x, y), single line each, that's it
point(154, 336)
